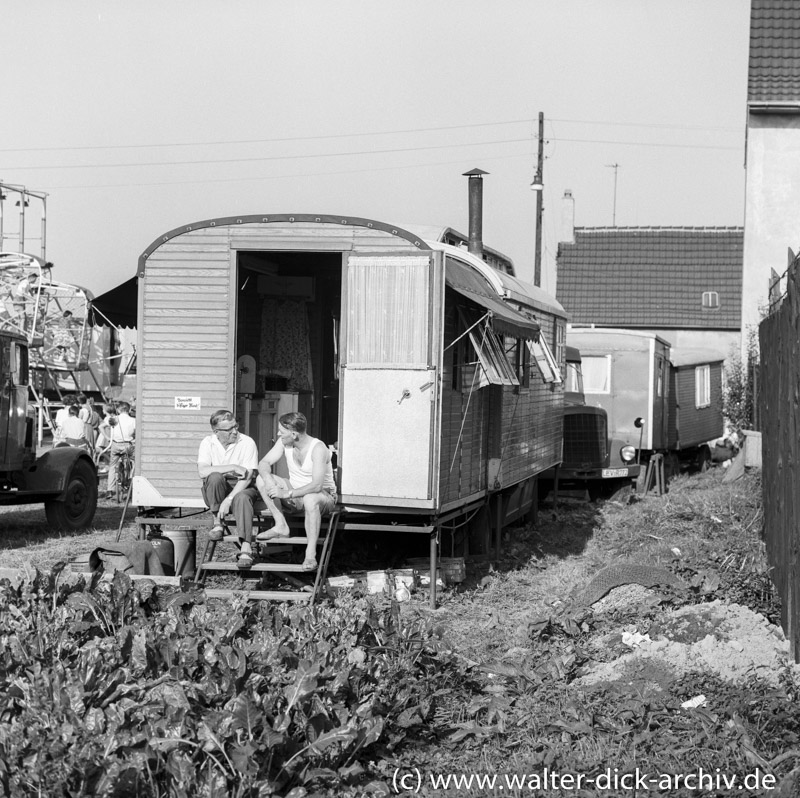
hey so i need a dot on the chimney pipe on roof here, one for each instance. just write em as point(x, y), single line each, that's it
point(475, 245)
point(568, 218)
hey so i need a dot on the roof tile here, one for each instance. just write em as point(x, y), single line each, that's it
point(652, 276)
point(774, 66)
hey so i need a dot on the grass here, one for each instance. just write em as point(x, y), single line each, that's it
point(515, 623)
point(518, 619)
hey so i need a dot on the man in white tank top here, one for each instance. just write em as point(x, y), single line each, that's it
point(310, 488)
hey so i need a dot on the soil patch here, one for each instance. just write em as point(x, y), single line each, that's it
point(726, 639)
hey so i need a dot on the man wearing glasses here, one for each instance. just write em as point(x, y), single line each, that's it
point(227, 463)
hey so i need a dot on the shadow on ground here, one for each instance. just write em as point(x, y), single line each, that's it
point(24, 524)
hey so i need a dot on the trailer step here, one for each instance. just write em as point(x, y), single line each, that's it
point(216, 565)
point(291, 541)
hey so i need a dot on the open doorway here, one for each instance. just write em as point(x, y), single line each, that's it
point(287, 341)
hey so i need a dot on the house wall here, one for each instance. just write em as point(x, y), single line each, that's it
point(772, 207)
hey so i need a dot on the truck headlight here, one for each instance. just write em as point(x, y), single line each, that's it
point(628, 454)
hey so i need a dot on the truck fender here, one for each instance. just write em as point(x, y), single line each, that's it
point(50, 472)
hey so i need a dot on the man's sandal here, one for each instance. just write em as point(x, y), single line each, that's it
point(217, 532)
point(244, 560)
point(309, 564)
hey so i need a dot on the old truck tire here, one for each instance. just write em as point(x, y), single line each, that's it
point(77, 509)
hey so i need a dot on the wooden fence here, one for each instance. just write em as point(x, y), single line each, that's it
point(779, 412)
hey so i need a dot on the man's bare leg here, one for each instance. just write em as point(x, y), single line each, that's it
point(313, 522)
point(263, 483)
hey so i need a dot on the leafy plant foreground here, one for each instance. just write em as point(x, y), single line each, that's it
point(116, 689)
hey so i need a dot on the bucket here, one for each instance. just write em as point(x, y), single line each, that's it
point(165, 551)
point(184, 540)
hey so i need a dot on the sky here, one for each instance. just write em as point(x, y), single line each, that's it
point(142, 116)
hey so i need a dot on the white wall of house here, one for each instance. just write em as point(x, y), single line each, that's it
point(772, 208)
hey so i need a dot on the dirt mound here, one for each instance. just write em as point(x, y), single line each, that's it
point(728, 640)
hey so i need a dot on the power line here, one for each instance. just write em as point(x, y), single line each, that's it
point(273, 157)
point(283, 177)
point(646, 124)
point(261, 141)
point(305, 156)
point(324, 137)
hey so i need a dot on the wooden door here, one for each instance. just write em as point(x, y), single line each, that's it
point(388, 443)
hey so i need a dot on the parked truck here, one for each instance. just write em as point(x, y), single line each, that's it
point(591, 461)
point(659, 399)
point(64, 478)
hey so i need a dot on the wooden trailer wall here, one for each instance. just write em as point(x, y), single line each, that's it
point(187, 331)
point(520, 428)
point(690, 425)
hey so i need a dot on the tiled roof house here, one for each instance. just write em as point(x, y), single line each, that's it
point(644, 277)
point(683, 283)
point(772, 188)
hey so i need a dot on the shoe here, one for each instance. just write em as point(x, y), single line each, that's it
point(217, 532)
point(309, 564)
point(270, 534)
point(244, 560)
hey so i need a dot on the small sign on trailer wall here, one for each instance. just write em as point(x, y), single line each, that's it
point(187, 402)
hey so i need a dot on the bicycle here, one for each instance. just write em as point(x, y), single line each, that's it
point(124, 470)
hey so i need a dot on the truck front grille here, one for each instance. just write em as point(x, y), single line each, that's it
point(585, 440)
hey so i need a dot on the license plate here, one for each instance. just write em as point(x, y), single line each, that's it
point(610, 473)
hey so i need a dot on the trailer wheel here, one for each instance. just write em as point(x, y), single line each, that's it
point(76, 510)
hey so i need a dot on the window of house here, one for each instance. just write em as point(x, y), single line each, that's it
point(596, 373)
point(710, 300)
point(543, 357)
point(702, 386)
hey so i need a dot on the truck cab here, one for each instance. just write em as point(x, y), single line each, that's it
point(64, 478)
point(590, 460)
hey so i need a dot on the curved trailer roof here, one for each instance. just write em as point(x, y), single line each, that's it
point(119, 305)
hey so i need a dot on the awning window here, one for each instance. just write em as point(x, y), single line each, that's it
point(494, 367)
point(548, 368)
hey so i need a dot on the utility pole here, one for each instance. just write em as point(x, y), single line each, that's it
point(615, 167)
point(538, 187)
